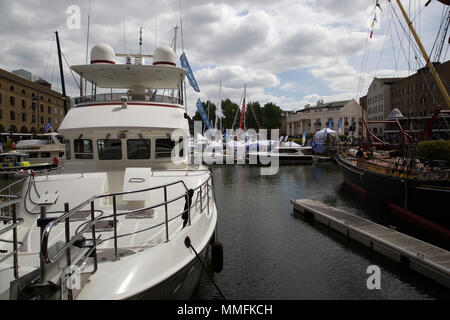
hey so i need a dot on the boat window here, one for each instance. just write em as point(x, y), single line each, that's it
point(68, 153)
point(163, 148)
point(33, 155)
point(45, 154)
point(83, 149)
point(138, 149)
point(61, 154)
point(109, 149)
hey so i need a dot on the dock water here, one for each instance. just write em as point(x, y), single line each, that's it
point(424, 258)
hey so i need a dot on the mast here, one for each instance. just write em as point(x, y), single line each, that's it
point(425, 55)
point(61, 71)
point(243, 111)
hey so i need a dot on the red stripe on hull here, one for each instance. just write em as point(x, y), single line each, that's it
point(422, 223)
point(360, 191)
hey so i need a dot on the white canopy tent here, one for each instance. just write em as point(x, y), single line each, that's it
point(322, 134)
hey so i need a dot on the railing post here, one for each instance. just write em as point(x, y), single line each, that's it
point(207, 196)
point(115, 227)
point(201, 199)
point(15, 259)
point(68, 258)
point(43, 216)
point(94, 240)
point(167, 213)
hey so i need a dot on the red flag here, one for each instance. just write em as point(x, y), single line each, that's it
point(371, 32)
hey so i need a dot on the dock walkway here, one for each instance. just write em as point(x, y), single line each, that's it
point(422, 257)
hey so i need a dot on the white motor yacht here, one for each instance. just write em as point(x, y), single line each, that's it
point(286, 152)
point(128, 217)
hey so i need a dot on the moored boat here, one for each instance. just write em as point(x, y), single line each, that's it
point(129, 217)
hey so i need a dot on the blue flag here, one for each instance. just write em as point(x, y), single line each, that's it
point(202, 112)
point(340, 125)
point(48, 126)
point(330, 126)
point(189, 74)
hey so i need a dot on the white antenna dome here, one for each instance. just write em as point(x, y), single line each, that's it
point(164, 56)
point(102, 54)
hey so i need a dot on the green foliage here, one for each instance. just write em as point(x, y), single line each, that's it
point(272, 116)
point(434, 150)
point(229, 110)
point(251, 122)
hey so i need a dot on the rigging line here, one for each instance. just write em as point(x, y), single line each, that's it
point(70, 69)
point(392, 41)
point(401, 44)
point(443, 19)
point(188, 244)
point(50, 55)
point(381, 53)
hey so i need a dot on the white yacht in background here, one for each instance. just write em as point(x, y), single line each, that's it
point(123, 220)
point(43, 150)
point(287, 153)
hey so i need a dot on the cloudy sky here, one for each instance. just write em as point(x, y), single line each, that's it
point(291, 52)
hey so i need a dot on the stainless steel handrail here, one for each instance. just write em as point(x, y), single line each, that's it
point(16, 222)
point(68, 213)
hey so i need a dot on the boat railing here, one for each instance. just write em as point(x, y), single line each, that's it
point(116, 97)
point(401, 167)
point(201, 202)
point(10, 221)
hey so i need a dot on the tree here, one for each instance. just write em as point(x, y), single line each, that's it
point(272, 116)
point(251, 122)
point(229, 110)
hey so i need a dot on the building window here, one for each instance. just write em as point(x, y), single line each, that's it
point(24, 117)
point(109, 149)
point(138, 149)
point(42, 120)
point(42, 108)
point(33, 118)
point(49, 110)
point(1, 114)
point(24, 104)
point(1, 100)
point(11, 88)
point(12, 115)
point(12, 101)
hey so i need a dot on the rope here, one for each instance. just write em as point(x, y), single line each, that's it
point(188, 245)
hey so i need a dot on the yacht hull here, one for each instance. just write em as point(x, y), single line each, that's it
point(179, 286)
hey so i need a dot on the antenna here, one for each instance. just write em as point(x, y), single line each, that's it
point(181, 24)
point(140, 41)
point(156, 31)
point(175, 38)
point(124, 33)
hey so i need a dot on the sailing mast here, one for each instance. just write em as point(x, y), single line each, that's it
point(243, 111)
point(61, 71)
point(425, 55)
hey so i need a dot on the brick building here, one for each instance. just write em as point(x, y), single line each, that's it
point(28, 106)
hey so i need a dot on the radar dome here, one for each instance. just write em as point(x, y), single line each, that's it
point(102, 54)
point(164, 56)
